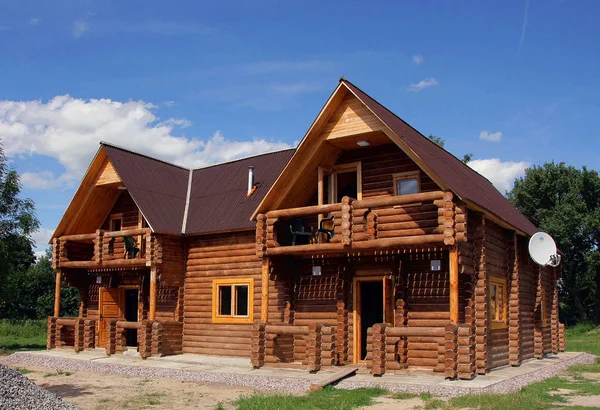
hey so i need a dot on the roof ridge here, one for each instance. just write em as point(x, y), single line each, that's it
point(187, 202)
point(108, 144)
point(245, 158)
point(343, 80)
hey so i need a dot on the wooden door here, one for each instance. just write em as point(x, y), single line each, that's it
point(111, 307)
point(381, 298)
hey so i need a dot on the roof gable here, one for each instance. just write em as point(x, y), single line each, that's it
point(443, 168)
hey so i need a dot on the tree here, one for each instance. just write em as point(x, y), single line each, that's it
point(565, 202)
point(32, 293)
point(17, 223)
point(439, 141)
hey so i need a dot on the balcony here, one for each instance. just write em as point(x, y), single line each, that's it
point(427, 218)
point(102, 249)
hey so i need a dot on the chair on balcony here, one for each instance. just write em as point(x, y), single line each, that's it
point(322, 229)
point(130, 248)
point(301, 231)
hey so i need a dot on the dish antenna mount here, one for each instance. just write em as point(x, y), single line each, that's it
point(542, 250)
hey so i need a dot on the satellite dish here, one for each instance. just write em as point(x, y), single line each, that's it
point(542, 250)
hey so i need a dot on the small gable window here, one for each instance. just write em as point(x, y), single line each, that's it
point(497, 302)
point(116, 222)
point(233, 300)
point(407, 183)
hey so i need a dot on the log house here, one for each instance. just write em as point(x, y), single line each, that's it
point(367, 244)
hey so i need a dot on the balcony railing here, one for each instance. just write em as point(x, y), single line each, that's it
point(426, 218)
point(105, 249)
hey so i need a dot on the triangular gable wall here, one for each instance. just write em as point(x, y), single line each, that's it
point(93, 200)
point(343, 120)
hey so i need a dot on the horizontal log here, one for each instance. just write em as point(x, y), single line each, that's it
point(303, 211)
point(80, 237)
point(415, 331)
point(381, 202)
point(286, 330)
point(128, 232)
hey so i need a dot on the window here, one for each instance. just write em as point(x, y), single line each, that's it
point(233, 300)
point(342, 180)
point(116, 221)
point(497, 303)
point(407, 183)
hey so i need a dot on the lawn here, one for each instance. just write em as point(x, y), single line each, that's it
point(22, 334)
point(580, 380)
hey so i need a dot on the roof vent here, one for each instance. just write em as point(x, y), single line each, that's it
point(251, 186)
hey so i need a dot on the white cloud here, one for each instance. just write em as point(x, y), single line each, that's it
point(501, 173)
point(42, 237)
point(69, 130)
point(417, 59)
point(34, 22)
point(79, 27)
point(488, 136)
point(421, 85)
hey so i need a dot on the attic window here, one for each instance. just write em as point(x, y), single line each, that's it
point(406, 183)
point(116, 222)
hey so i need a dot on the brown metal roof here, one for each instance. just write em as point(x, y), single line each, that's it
point(218, 200)
point(468, 184)
point(158, 188)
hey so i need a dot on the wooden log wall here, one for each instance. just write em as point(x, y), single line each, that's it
point(527, 298)
point(215, 257)
point(481, 297)
point(428, 297)
point(172, 254)
point(497, 266)
point(379, 164)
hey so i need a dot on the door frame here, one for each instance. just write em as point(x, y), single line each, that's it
point(121, 303)
point(357, 304)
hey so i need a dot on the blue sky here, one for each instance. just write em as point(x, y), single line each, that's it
point(515, 83)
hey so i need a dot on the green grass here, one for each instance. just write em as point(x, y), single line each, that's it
point(24, 371)
point(58, 373)
point(328, 398)
point(583, 338)
point(22, 334)
point(404, 396)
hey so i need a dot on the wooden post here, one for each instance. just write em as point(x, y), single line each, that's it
point(57, 293)
point(152, 311)
point(454, 284)
point(264, 306)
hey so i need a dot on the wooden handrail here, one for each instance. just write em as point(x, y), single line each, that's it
point(399, 200)
point(128, 232)
point(80, 237)
point(305, 211)
point(66, 321)
point(129, 325)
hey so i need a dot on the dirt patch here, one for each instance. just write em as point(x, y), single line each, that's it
point(583, 401)
point(384, 403)
point(98, 391)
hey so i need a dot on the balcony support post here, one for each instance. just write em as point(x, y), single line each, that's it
point(454, 284)
point(152, 311)
point(57, 293)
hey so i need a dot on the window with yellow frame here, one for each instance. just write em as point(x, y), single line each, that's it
point(498, 306)
point(232, 300)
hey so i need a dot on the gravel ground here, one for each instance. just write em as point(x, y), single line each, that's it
point(511, 385)
point(18, 392)
point(291, 384)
